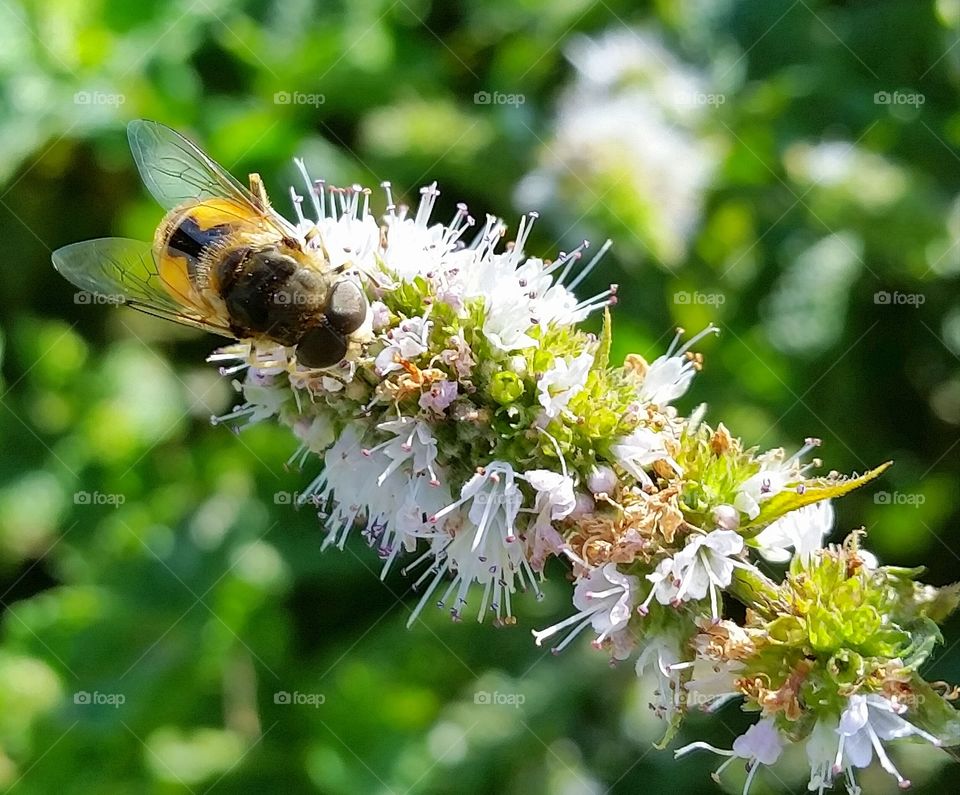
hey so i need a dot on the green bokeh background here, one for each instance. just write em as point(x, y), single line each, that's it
point(204, 593)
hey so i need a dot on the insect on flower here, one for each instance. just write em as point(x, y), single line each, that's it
point(223, 260)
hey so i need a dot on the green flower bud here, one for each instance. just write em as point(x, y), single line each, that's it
point(506, 387)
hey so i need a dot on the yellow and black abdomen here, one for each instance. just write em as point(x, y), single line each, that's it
point(186, 235)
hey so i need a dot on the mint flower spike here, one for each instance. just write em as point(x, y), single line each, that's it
point(473, 430)
point(830, 657)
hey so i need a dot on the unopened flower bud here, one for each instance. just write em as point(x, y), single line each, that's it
point(518, 364)
point(726, 517)
point(602, 480)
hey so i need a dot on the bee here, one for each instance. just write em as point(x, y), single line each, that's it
point(222, 259)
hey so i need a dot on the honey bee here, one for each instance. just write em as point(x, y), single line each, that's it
point(222, 259)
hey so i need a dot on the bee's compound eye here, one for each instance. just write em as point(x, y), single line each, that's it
point(346, 306)
point(321, 347)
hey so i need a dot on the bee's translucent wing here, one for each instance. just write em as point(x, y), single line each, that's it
point(174, 170)
point(125, 271)
point(177, 173)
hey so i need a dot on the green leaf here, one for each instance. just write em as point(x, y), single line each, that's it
point(755, 590)
point(602, 358)
point(935, 714)
point(925, 635)
point(672, 728)
point(813, 491)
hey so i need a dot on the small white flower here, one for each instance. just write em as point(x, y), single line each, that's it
point(262, 401)
point(660, 657)
point(604, 600)
point(641, 449)
point(408, 520)
point(315, 434)
point(555, 500)
point(379, 315)
point(668, 377)
point(439, 396)
point(494, 501)
point(803, 530)
point(555, 496)
point(774, 476)
point(712, 683)
point(414, 249)
point(623, 119)
point(484, 548)
point(714, 675)
point(507, 323)
point(408, 341)
point(563, 382)
point(761, 744)
point(393, 503)
point(865, 724)
point(821, 748)
point(412, 442)
point(705, 565)
point(349, 241)
point(665, 585)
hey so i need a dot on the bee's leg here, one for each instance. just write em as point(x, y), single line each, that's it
point(259, 191)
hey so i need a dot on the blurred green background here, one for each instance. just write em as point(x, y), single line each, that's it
point(789, 170)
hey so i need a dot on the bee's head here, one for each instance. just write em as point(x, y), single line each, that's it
point(345, 311)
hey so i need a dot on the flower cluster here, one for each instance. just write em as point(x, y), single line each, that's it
point(474, 430)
